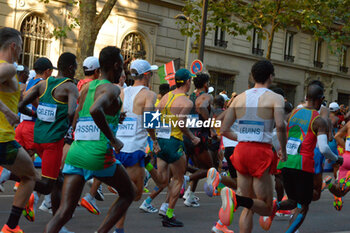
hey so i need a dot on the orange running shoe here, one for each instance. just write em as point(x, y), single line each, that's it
point(338, 203)
point(228, 207)
point(15, 187)
point(28, 211)
point(266, 221)
point(218, 228)
point(345, 182)
point(7, 229)
point(212, 182)
point(90, 206)
point(326, 181)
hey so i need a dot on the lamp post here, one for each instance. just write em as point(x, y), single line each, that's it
point(188, 41)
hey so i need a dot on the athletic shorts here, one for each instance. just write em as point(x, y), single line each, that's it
point(192, 150)
point(319, 161)
point(171, 149)
point(25, 134)
point(299, 185)
point(253, 158)
point(228, 152)
point(88, 174)
point(8, 152)
point(130, 159)
point(51, 158)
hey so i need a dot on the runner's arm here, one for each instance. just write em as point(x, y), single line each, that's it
point(339, 137)
point(7, 71)
point(185, 110)
point(203, 108)
point(229, 119)
point(33, 94)
point(280, 125)
point(73, 95)
point(149, 106)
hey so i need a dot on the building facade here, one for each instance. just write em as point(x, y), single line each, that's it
point(147, 29)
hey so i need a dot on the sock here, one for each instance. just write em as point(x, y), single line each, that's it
point(169, 213)
point(148, 200)
point(149, 167)
point(244, 201)
point(13, 220)
point(119, 230)
point(330, 186)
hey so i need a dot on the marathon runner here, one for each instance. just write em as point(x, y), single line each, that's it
point(57, 103)
point(305, 129)
point(171, 162)
point(255, 111)
point(91, 154)
point(12, 156)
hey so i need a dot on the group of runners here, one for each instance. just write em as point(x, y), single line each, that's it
point(95, 131)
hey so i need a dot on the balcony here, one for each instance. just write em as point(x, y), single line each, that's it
point(289, 58)
point(257, 51)
point(344, 69)
point(318, 64)
point(221, 43)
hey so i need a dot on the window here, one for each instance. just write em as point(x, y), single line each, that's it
point(257, 43)
point(133, 47)
point(343, 60)
point(343, 99)
point(220, 37)
point(289, 90)
point(221, 82)
point(288, 48)
point(317, 54)
point(36, 40)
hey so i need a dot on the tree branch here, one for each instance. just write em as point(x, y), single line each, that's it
point(106, 10)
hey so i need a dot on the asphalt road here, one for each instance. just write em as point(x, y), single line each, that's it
point(322, 216)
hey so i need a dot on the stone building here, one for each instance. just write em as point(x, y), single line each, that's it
point(147, 28)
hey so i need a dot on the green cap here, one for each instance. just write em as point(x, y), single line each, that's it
point(183, 75)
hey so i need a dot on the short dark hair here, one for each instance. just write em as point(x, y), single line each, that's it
point(108, 57)
point(314, 92)
point(262, 70)
point(163, 89)
point(7, 36)
point(219, 101)
point(66, 60)
point(200, 79)
point(316, 82)
point(279, 91)
point(89, 73)
point(173, 87)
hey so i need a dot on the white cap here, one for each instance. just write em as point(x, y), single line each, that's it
point(333, 107)
point(210, 90)
point(225, 97)
point(91, 64)
point(141, 67)
point(20, 68)
point(32, 74)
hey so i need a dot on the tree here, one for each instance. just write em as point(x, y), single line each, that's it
point(268, 16)
point(89, 22)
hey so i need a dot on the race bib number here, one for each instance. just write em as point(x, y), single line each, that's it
point(250, 131)
point(46, 112)
point(128, 128)
point(164, 132)
point(347, 144)
point(87, 130)
point(293, 145)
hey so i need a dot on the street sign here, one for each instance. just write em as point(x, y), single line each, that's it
point(197, 66)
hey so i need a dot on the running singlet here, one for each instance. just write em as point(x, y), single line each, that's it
point(170, 119)
point(91, 149)
point(10, 99)
point(31, 83)
point(52, 122)
point(301, 141)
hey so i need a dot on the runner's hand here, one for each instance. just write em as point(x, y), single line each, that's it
point(11, 117)
point(195, 140)
point(282, 155)
point(156, 147)
point(340, 160)
point(122, 117)
point(117, 145)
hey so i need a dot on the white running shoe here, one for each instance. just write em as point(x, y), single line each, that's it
point(99, 194)
point(45, 207)
point(148, 208)
point(65, 230)
point(191, 201)
point(163, 208)
point(4, 176)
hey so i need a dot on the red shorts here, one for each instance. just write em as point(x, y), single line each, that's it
point(51, 158)
point(25, 134)
point(252, 158)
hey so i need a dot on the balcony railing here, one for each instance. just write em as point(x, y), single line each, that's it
point(289, 58)
point(318, 64)
point(221, 43)
point(258, 51)
point(344, 69)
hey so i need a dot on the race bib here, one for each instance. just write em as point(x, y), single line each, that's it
point(250, 131)
point(86, 130)
point(293, 145)
point(347, 144)
point(164, 132)
point(46, 112)
point(128, 128)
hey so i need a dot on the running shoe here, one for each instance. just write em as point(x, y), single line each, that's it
point(345, 182)
point(148, 208)
point(228, 207)
point(163, 209)
point(283, 213)
point(90, 205)
point(45, 207)
point(99, 194)
point(7, 229)
point(4, 175)
point(218, 228)
point(28, 211)
point(112, 190)
point(2, 189)
point(15, 187)
point(147, 178)
point(326, 181)
point(212, 182)
point(266, 221)
point(187, 194)
point(65, 230)
point(171, 222)
point(338, 203)
point(191, 202)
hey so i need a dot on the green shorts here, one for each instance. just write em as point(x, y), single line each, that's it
point(8, 152)
point(171, 149)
